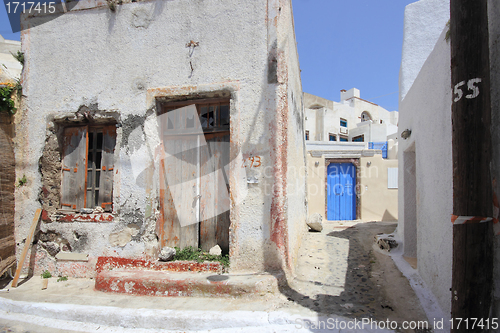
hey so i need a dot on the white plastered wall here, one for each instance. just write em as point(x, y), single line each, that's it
point(426, 111)
point(424, 21)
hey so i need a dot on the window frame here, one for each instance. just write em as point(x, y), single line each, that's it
point(362, 137)
point(365, 116)
point(75, 157)
point(199, 103)
point(392, 178)
point(343, 122)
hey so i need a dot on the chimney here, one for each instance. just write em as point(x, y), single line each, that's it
point(345, 95)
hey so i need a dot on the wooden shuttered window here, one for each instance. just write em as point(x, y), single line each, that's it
point(74, 167)
point(87, 168)
point(105, 198)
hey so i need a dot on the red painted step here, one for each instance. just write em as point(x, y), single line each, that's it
point(142, 277)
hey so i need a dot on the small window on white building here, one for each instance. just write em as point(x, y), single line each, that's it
point(332, 137)
point(359, 138)
point(365, 116)
point(307, 135)
point(392, 177)
point(343, 122)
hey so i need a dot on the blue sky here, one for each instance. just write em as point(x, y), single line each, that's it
point(342, 44)
point(5, 29)
point(346, 44)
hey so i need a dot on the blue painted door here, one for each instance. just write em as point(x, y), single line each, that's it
point(341, 191)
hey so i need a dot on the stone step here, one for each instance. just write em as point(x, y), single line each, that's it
point(111, 263)
point(178, 278)
point(84, 318)
point(201, 284)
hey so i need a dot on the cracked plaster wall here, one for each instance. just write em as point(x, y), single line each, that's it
point(120, 62)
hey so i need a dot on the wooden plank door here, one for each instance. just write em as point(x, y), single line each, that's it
point(194, 193)
point(180, 173)
point(214, 193)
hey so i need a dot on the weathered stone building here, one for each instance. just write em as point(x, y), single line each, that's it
point(107, 130)
point(352, 158)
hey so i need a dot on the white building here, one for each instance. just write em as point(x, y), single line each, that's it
point(351, 160)
point(10, 68)
point(353, 119)
point(425, 157)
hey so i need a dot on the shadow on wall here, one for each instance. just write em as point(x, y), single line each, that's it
point(388, 217)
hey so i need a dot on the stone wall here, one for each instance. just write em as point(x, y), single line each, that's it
point(7, 187)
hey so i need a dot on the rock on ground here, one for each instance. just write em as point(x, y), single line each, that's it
point(215, 251)
point(315, 222)
point(167, 253)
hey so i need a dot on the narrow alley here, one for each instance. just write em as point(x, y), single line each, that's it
point(341, 275)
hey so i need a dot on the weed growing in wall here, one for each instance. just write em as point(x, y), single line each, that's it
point(46, 275)
point(22, 181)
point(19, 57)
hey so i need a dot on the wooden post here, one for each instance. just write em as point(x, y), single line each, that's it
point(472, 275)
point(27, 245)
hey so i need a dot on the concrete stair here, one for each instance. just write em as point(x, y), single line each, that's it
point(82, 318)
point(142, 277)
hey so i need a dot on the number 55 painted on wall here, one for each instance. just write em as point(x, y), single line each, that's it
point(470, 86)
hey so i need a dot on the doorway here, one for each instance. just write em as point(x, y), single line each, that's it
point(410, 203)
point(194, 174)
point(341, 191)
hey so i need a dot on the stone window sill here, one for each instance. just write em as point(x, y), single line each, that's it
point(74, 216)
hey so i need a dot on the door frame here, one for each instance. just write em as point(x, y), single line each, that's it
point(165, 106)
point(356, 163)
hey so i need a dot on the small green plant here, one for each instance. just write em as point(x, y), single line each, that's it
point(19, 57)
point(448, 32)
point(7, 104)
point(19, 88)
point(193, 254)
point(62, 278)
point(46, 275)
point(22, 181)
